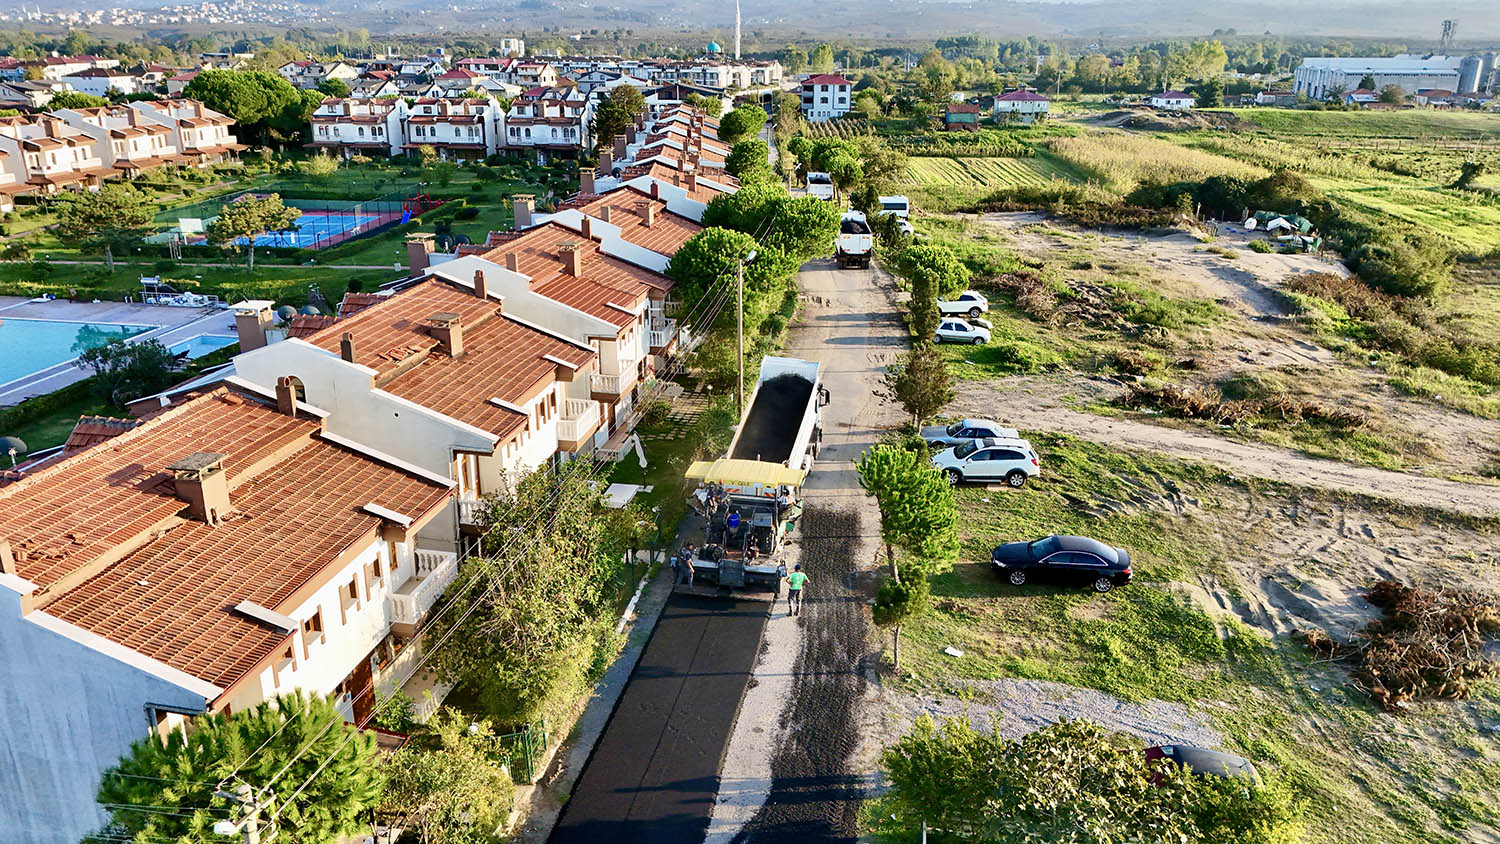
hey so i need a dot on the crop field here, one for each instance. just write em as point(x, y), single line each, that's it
point(983, 172)
point(1414, 123)
point(1122, 160)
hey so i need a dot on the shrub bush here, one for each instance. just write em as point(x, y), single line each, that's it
point(466, 214)
point(1262, 246)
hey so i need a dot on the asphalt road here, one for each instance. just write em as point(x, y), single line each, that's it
point(655, 771)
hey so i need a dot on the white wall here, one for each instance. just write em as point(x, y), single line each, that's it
point(71, 704)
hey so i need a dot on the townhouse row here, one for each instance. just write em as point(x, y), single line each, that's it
point(287, 522)
point(552, 122)
point(80, 148)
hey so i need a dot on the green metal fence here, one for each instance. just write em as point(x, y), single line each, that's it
point(527, 749)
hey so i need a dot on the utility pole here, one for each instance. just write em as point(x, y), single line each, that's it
point(248, 825)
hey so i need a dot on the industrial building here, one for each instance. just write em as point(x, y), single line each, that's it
point(1462, 74)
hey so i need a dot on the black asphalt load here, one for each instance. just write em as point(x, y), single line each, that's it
point(770, 427)
point(654, 773)
point(814, 797)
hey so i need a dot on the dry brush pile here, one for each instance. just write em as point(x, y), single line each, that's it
point(1426, 644)
point(1207, 403)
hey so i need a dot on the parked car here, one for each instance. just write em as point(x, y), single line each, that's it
point(967, 302)
point(1072, 558)
point(1202, 761)
point(1012, 460)
point(964, 430)
point(958, 331)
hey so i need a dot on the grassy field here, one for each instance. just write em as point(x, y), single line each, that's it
point(1362, 776)
point(1413, 123)
point(983, 172)
point(1122, 160)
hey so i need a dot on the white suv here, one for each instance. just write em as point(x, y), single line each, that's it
point(952, 330)
point(990, 459)
point(967, 302)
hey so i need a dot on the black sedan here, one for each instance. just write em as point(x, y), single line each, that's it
point(1073, 558)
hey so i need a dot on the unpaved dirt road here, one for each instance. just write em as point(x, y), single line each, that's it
point(1033, 404)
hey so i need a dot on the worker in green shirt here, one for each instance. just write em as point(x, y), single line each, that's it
point(795, 581)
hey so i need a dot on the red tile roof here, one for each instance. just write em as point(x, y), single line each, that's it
point(665, 235)
point(395, 330)
point(353, 303)
point(826, 79)
point(89, 431)
point(306, 325)
point(172, 600)
point(111, 496)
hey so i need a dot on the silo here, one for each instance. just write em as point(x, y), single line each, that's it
point(1488, 76)
point(1468, 74)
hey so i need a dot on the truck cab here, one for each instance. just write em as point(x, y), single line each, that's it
point(855, 242)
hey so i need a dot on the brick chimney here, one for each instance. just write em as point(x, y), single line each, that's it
point(630, 133)
point(448, 330)
point(676, 178)
point(604, 214)
point(620, 144)
point(647, 209)
point(346, 347)
point(418, 252)
point(513, 262)
point(691, 180)
point(586, 180)
point(200, 481)
point(523, 205)
point(607, 162)
point(7, 559)
point(286, 395)
point(480, 289)
point(655, 189)
point(588, 227)
point(251, 319)
point(572, 252)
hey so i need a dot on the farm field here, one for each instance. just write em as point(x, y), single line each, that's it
point(1415, 123)
point(983, 172)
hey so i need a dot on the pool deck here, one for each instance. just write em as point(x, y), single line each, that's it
point(173, 325)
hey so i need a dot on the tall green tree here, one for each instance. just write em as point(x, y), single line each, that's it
point(919, 382)
point(742, 123)
point(333, 88)
point(116, 216)
point(917, 510)
point(447, 786)
point(616, 114)
point(249, 218)
point(1210, 93)
point(821, 59)
point(936, 265)
point(75, 99)
point(163, 790)
point(748, 160)
point(898, 602)
point(707, 259)
point(1392, 94)
point(125, 371)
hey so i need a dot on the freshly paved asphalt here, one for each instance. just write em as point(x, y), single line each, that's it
point(654, 774)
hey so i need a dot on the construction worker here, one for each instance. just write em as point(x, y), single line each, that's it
point(685, 565)
point(794, 583)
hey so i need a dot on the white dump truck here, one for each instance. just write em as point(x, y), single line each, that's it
point(749, 499)
point(820, 185)
point(854, 243)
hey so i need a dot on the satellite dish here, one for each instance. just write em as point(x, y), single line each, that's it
point(310, 310)
point(286, 312)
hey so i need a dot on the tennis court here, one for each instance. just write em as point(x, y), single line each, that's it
point(317, 229)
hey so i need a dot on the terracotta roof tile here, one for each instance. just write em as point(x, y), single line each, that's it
point(306, 325)
point(89, 431)
point(71, 513)
point(353, 303)
point(395, 330)
point(602, 281)
point(172, 599)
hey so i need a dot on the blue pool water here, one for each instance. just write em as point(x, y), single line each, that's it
point(313, 228)
point(31, 345)
point(202, 345)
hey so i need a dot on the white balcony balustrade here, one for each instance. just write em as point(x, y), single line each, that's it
point(435, 571)
point(580, 419)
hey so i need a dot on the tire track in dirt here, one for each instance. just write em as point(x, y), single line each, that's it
point(814, 796)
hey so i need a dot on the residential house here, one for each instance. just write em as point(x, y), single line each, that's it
point(1361, 97)
point(33, 94)
point(1436, 97)
point(461, 82)
point(456, 128)
point(228, 550)
point(1172, 101)
point(52, 155)
point(308, 75)
point(57, 67)
point(199, 132)
point(13, 178)
point(360, 127)
point(371, 86)
point(1020, 106)
point(99, 82)
point(552, 121)
point(826, 96)
point(12, 69)
point(129, 143)
point(959, 117)
point(177, 83)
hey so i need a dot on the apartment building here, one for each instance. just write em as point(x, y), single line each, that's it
point(826, 96)
point(128, 142)
point(227, 550)
point(710, 72)
point(456, 128)
point(48, 154)
point(360, 127)
point(100, 81)
point(554, 122)
point(198, 132)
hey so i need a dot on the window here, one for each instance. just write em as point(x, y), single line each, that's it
point(312, 630)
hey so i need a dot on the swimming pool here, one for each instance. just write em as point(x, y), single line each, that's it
point(31, 345)
point(202, 345)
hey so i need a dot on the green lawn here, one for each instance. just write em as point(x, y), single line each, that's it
point(1411, 123)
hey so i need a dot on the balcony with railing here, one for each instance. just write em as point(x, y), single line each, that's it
point(611, 387)
point(469, 511)
point(435, 570)
point(580, 419)
point(661, 334)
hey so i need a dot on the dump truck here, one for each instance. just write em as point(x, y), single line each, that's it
point(820, 185)
point(854, 243)
point(749, 499)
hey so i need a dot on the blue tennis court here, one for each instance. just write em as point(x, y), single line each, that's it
point(316, 229)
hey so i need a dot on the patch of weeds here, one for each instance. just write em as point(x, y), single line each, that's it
point(1461, 394)
point(1145, 306)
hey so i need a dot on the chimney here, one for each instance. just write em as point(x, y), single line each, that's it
point(7, 559)
point(604, 214)
point(676, 178)
point(286, 395)
point(607, 162)
point(346, 347)
point(630, 133)
point(620, 144)
point(202, 483)
point(586, 180)
point(655, 189)
point(480, 289)
point(251, 319)
point(588, 227)
point(571, 252)
point(647, 209)
point(418, 251)
point(523, 204)
point(513, 262)
point(448, 330)
point(691, 180)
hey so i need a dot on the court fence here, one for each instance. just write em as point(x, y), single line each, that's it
point(325, 222)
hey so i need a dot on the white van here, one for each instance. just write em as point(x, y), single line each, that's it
point(900, 206)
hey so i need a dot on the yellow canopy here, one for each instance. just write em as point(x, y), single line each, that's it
point(747, 472)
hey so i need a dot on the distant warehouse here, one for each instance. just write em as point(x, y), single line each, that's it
point(1319, 75)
